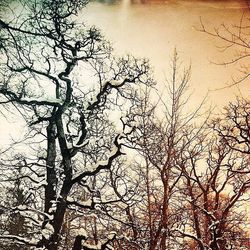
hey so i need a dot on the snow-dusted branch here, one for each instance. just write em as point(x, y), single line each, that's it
point(102, 165)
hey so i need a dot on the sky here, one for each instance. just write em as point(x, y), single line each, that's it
point(152, 29)
point(155, 28)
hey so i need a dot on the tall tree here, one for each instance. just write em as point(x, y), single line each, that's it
point(216, 183)
point(60, 77)
point(164, 131)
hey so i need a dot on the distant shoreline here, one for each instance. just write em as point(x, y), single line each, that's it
point(236, 4)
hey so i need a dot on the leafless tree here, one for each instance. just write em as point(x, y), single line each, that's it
point(194, 177)
point(235, 38)
point(216, 186)
point(61, 78)
point(164, 131)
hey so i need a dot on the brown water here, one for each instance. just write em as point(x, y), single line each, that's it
point(153, 28)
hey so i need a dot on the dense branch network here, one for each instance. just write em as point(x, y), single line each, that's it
point(44, 54)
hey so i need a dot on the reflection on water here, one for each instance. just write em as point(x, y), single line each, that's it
point(155, 28)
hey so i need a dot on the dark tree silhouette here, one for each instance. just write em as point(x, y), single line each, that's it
point(61, 78)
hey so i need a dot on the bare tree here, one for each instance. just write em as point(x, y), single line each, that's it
point(60, 77)
point(216, 185)
point(194, 177)
point(164, 131)
point(233, 127)
point(236, 41)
